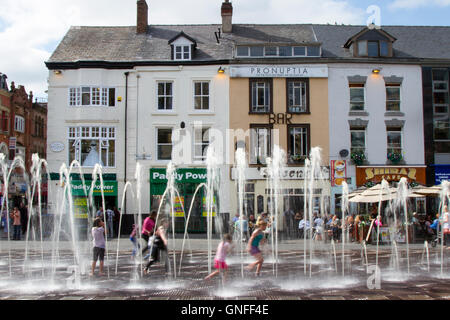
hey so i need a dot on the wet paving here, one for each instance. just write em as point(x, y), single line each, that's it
point(327, 278)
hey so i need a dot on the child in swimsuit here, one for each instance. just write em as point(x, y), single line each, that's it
point(224, 247)
point(253, 247)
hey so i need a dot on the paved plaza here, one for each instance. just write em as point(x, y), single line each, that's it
point(43, 277)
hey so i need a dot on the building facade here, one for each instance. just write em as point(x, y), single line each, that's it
point(167, 93)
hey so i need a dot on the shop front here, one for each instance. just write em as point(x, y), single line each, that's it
point(371, 175)
point(258, 195)
point(187, 181)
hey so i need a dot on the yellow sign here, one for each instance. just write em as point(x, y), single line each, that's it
point(80, 208)
point(178, 207)
point(205, 209)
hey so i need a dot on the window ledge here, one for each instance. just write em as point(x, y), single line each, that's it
point(358, 113)
point(200, 113)
point(394, 114)
point(162, 113)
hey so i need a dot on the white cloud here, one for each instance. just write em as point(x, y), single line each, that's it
point(30, 30)
point(413, 4)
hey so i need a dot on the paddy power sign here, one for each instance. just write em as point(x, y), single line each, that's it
point(377, 174)
point(109, 188)
point(194, 175)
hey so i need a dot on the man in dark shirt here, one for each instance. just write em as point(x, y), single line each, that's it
point(23, 217)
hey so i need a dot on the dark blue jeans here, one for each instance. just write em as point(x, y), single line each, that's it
point(17, 232)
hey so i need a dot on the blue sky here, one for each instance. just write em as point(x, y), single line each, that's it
point(33, 29)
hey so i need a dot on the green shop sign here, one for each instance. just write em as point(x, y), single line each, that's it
point(194, 175)
point(109, 188)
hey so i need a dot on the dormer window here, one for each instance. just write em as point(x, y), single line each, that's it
point(371, 43)
point(373, 48)
point(183, 47)
point(182, 53)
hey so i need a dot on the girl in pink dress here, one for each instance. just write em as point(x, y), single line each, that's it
point(221, 254)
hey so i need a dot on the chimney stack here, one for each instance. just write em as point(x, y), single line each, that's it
point(142, 17)
point(227, 15)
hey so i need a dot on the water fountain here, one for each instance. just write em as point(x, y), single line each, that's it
point(71, 254)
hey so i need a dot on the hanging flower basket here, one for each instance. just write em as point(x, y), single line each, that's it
point(395, 157)
point(297, 158)
point(358, 157)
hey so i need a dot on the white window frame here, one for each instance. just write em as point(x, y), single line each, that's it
point(260, 138)
point(98, 96)
point(165, 96)
point(304, 134)
point(183, 52)
point(365, 139)
point(19, 124)
point(302, 106)
point(399, 87)
point(103, 134)
point(196, 157)
point(400, 132)
point(210, 109)
point(350, 95)
point(157, 143)
point(257, 108)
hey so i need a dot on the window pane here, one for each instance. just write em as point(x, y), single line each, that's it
point(440, 74)
point(112, 97)
point(205, 105)
point(285, 51)
point(169, 103)
point(242, 51)
point(384, 48)
point(440, 85)
point(168, 88)
point(442, 129)
point(299, 51)
point(164, 152)
point(372, 48)
point(313, 51)
point(198, 89)
point(164, 135)
point(440, 97)
point(205, 88)
point(270, 51)
point(394, 139)
point(160, 89)
point(86, 96)
point(358, 139)
point(356, 99)
point(197, 102)
point(362, 48)
point(90, 153)
point(256, 51)
point(161, 103)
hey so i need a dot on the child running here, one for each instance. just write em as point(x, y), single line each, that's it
point(223, 249)
point(98, 235)
point(253, 247)
point(159, 243)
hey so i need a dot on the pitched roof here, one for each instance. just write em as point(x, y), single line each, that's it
point(123, 44)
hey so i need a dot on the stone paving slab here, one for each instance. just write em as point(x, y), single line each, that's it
point(290, 283)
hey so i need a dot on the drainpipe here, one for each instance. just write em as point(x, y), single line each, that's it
point(124, 210)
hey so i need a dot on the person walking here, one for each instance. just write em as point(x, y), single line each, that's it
point(253, 247)
point(23, 217)
point(98, 235)
point(224, 247)
point(134, 241)
point(17, 227)
point(241, 227)
point(110, 222)
point(446, 225)
point(159, 244)
point(116, 221)
point(147, 229)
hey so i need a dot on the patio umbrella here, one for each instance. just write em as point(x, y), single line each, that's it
point(427, 191)
point(372, 198)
